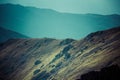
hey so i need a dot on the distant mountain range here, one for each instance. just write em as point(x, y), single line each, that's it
point(52, 59)
point(38, 23)
point(6, 34)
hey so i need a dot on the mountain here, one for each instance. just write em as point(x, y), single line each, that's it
point(38, 23)
point(52, 59)
point(6, 34)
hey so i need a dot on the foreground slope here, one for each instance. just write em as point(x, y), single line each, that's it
point(6, 34)
point(52, 59)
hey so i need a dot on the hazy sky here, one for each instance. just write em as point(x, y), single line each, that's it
point(73, 6)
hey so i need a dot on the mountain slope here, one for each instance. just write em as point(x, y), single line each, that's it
point(37, 23)
point(52, 59)
point(8, 34)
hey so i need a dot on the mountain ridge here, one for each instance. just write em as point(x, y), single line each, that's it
point(9, 4)
point(6, 34)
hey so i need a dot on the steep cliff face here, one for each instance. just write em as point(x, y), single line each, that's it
point(52, 59)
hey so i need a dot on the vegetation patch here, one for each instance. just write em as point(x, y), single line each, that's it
point(36, 71)
point(37, 62)
point(42, 76)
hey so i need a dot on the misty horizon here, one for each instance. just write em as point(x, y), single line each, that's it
point(103, 7)
point(57, 10)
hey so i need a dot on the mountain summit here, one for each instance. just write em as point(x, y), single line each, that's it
point(52, 59)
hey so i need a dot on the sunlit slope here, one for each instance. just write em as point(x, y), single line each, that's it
point(52, 59)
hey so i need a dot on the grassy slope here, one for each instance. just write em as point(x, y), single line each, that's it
point(41, 59)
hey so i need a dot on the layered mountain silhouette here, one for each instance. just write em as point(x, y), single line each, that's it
point(41, 22)
point(6, 34)
point(52, 59)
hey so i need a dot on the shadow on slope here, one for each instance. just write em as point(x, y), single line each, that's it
point(108, 73)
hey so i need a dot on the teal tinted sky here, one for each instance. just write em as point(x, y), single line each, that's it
point(73, 6)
